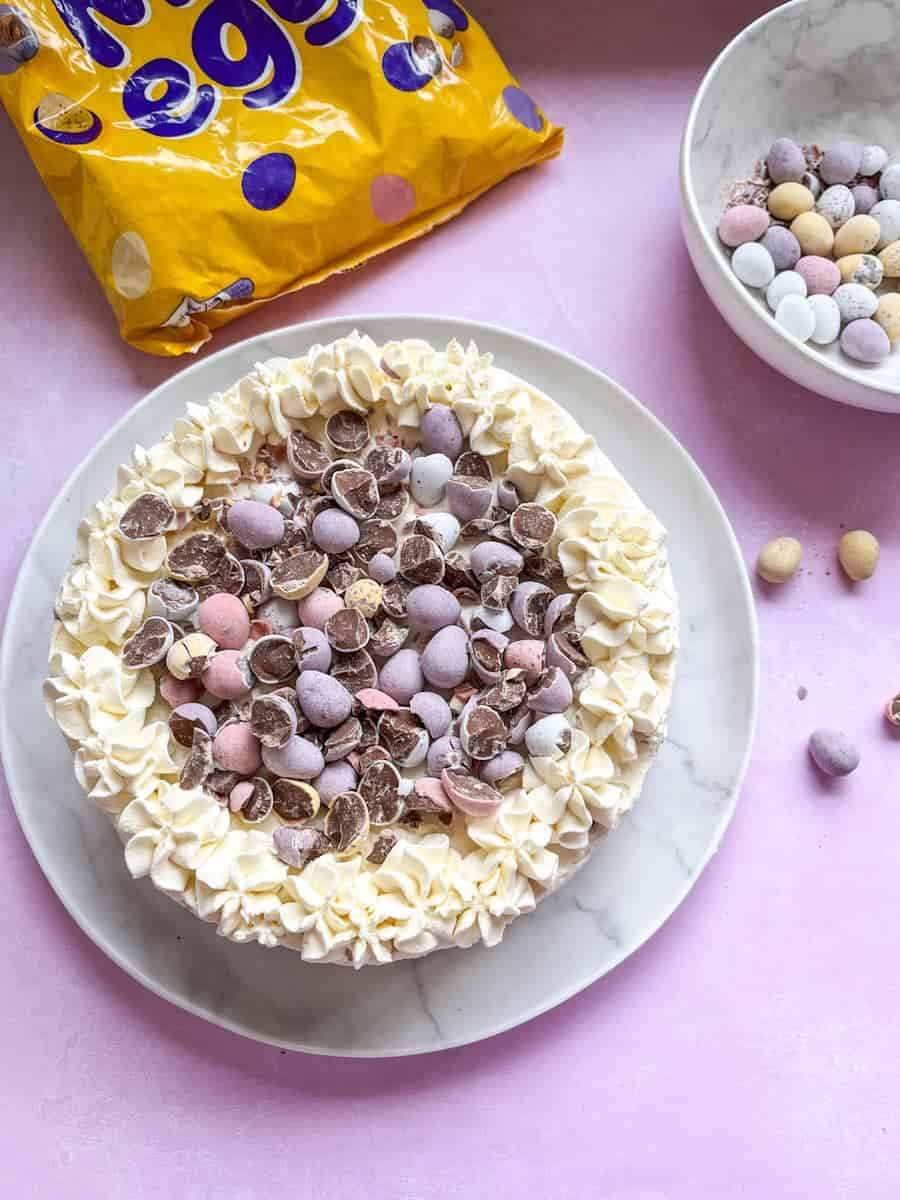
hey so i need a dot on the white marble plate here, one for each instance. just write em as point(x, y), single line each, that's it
point(622, 895)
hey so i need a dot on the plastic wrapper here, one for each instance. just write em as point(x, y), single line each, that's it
point(209, 155)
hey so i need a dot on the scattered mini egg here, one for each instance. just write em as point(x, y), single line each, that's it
point(779, 559)
point(833, 752)
point(858, 552)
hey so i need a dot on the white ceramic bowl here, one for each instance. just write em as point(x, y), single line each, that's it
point(814, 71)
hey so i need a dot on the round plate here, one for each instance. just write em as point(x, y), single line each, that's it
point(622, 895)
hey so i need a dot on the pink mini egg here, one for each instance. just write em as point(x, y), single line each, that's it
point(176, 692)
point(742, 223)
point(821, 275)
point(315, 609)
point(224, 678)
point(224, 618)
point(526, 655)
point(236, 749)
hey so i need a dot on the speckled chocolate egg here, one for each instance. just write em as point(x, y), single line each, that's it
point(836, 205)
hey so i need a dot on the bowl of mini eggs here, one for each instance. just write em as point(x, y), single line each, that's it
point(790, 186)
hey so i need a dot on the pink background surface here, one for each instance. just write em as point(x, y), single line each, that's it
point(751, 1048)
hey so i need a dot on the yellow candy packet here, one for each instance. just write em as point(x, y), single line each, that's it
point(210, 155)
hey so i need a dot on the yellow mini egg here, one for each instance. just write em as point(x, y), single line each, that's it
point(888, 316)
point(858, 554)
point(789, 200)
point(813, 233)
point(779, 559)
point(861, 268)
point(364, 594)
point(859, 235)
point(890, 260)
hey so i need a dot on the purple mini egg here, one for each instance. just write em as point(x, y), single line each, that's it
point(783, 247)
point(382, 568)
point(865, 198)
point(821, 275)
point(552, 693)
point(742, 223)
point(430, 607)
point(324, 700)
point(311, 649)
point(865, 341)
point(401, 676)
point(840, 164)
point(336, 778)
point(444, 754)
point(334, 531)
point(298, 758)
point(786, 161)
point(440, 432)
point(468, 496)
point(502, 768)
point(256, 526)
point(508, 495)
point(445, 660)
point(433, 711)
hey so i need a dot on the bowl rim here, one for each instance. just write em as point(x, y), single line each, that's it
point(856, 376)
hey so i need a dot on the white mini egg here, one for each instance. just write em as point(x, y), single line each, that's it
point(855, 302)
point(548, 737)
point(874, 159)
point(785, 283)
point(795, 316)
point(428, 478)
point(445, 526)
point(836, 205)
point(827, 317)
point(887, 214)
point(753, 265)
point(890, 182)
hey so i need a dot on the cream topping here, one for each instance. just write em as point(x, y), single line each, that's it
point(435, 889)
